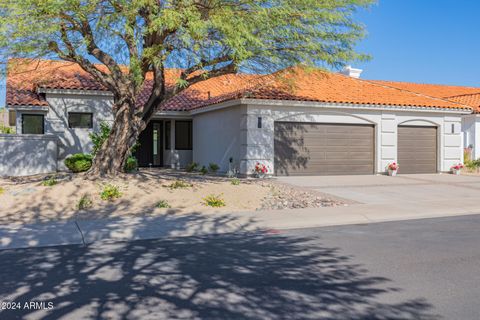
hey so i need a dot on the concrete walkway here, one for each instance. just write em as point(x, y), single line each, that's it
point(375, 198)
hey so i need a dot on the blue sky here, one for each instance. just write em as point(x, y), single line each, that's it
point(426, 41)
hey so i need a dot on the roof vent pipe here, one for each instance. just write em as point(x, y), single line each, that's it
point(351, 72)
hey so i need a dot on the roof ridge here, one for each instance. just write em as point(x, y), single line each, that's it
point(464, 95)
point(414, 92)
point(424, 83)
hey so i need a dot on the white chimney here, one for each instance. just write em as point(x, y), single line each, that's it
point(351, 72)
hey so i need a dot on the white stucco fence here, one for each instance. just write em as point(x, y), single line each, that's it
point(27, 154)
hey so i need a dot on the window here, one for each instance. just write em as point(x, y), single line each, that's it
point(12, 116)
point(183, 135)
point(168, 135)
point(32, 124)
point(259, 123)
point(80, 120)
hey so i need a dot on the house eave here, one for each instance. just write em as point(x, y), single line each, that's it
point(313, 104)
point(75, 92)
point(27, 108)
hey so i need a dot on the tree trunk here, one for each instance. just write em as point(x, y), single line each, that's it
point(110, 158)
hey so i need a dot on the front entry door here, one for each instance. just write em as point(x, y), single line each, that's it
point(150, 151)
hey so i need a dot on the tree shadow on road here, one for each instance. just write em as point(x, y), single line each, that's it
point(253, 275)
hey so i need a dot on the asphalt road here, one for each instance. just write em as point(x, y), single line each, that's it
point(423, 269)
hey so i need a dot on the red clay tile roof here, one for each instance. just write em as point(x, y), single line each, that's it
point(302, 85)
point(464, 95)
point(292, 84)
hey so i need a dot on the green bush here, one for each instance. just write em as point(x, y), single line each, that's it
point(235, 181)
point(49, 182)
point(204, 170)
point(179, 184)
point(98, 138)
point(110, 192)
point(214, 201)
point(131, 164)
point(163, 204)
point(191, 167)
point(213, 167)
point(2, 191)
point(79, 162)
point(6, 130)
point(85, 202)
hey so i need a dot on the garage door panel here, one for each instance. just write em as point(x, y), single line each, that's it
point(417, 149)
point(323, 149)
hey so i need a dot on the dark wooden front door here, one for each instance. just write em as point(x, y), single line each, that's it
point(150, 151)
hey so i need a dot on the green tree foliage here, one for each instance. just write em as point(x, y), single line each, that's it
point(206, 38)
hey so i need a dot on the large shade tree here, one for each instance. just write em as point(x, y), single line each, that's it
point(120, 42)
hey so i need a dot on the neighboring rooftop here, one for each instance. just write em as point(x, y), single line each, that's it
point(25, 77)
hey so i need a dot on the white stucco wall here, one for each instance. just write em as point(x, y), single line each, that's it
point(23, 155)
point(220, 135)
point(72, 140)
point(259, 142)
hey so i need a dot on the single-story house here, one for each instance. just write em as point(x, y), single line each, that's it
point(296, 121)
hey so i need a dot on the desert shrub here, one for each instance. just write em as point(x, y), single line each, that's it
point(110, 192)
point(235, 181)
point(204, 170)
point(179, 184)
point(79, 162)
point(98, 138)
point(214, 201)
point(49, 182)
point(213, 167)
point(163, 204)
point(191, 167)
point(2, 191)
point(131, 164)
point(85, 202)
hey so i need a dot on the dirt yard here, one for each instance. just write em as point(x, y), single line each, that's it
point(27, 200)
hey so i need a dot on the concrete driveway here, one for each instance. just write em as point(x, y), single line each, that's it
point(403, 189)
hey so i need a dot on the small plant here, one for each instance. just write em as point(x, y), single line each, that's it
point(260, 170)
point(2, 191)
point(179, 184)
point(110, 192)
point(6, 130)
point(191, 167)
point(393, 166)
point(204, 170)
point(99, 138)
point(163, 204)
point(456, 168)
point(79, 162)
point(215, 201)
point(85, 202)
point(213, 167)
point(235, 181)
point(131, 164)
point(49, 182)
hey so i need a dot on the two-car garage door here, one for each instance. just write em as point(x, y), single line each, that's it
point(338, 149)
point(323, 149)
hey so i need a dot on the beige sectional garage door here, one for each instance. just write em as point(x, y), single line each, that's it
point(323, 149)
point(417, 149)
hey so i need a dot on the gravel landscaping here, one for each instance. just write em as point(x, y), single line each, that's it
point(147, 192)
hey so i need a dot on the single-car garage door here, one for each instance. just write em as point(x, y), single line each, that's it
point(323, 149)
point(417, 149)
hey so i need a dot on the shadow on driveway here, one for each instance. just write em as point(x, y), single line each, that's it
point(230, 276)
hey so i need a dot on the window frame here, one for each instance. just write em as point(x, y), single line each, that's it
point(33, 115)
point(80, 113)
point(189, 132)
point(168, 135)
